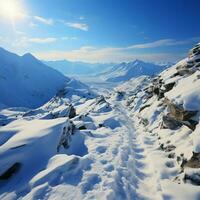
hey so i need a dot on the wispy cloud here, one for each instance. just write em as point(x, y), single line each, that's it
point(119, 54)
point(42, 40)
point(80, 26)
point(162, 43)
point(24, 41)
point(93, 55)
point(69, 38)
point(32, 25)
point(44, 20)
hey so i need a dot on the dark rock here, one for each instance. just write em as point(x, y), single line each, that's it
point(143, 107)
point(170, 123)
point(83, 127)
point(143, 121)
point(156, 91)
point(101, 125)
point(194, 161)
point(193, 178)
point(183, 72)
point(171, 155)
point(72, 112)
point(161, 95)
point(179, 113)
point(167, 148)
point(197, 60)
point(191, 124)
point(169, 86)
point(197, 65)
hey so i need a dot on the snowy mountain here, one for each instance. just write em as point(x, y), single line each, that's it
point(77, 68)
point(137, 141)
point(165, 112)
point(27, 82)
point(125, 71)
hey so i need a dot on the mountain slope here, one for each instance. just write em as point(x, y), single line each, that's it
point(125, 71)
point(139, 141)
point(166, 115)
point(27, 82)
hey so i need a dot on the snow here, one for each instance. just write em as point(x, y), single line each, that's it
point(196, 139)
point(27, 82)
point(125, 71)
point(187, 92)
point(115, 146)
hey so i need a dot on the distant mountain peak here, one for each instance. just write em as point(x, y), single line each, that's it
point(127, 70)
point(29, 56)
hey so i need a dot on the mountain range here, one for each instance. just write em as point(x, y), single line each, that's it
point(77, 68)
point(127, 70)
point(26, 81)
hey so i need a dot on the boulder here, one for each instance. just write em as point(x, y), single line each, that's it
point(194, 161)
point(170, 123)
point(179, 113)
point(169, 86)
point(72, 112)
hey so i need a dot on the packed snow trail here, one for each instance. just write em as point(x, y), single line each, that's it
point(137, 163)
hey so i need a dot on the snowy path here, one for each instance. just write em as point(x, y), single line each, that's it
point(141, 181)
point(120, 166)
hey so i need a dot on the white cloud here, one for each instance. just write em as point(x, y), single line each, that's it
point(92, 55)
point(44, 20)
point(20, 33)
point(162, 43)
point(120, 54)
point(42, 40)
point(32, 25)
point(69, 38)
point(81, 26)
point(23, 41)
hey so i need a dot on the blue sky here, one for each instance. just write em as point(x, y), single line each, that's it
point(101, 30)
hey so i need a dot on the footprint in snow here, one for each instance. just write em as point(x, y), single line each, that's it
point(101, 149)
point(90, 183)
point(109, 168)
point(115, 151)
point(103, 162)
point(169, 164)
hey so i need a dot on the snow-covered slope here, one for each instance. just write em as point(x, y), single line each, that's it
point(27, 82)
point(139, 141)
point(165, 113)
point(125, 71)
point(77, 68)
